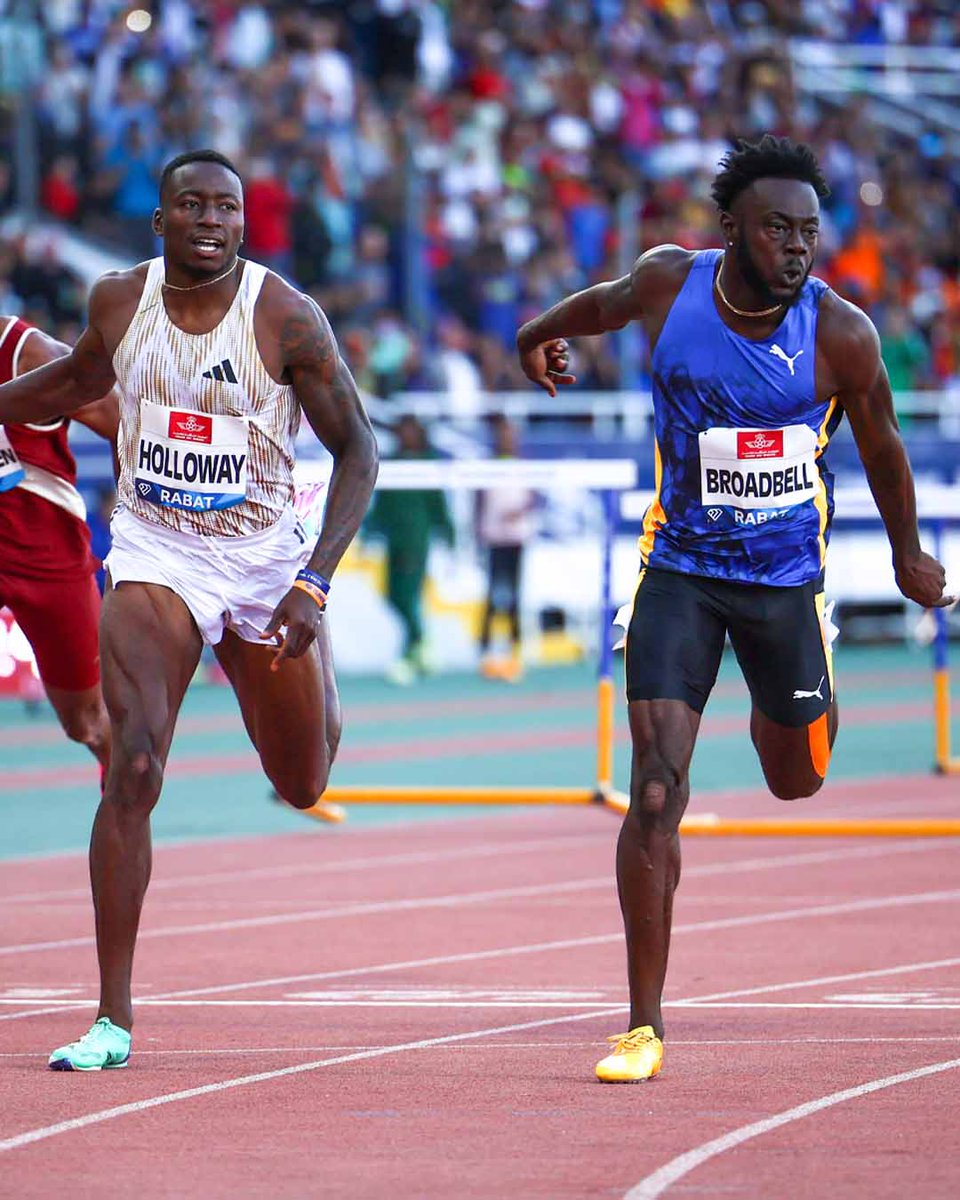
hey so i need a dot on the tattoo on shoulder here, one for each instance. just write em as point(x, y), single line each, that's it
point(306, 339)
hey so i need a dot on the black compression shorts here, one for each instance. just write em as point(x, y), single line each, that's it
point(677, 632)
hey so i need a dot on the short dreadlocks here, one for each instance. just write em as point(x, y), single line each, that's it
point(770, 158)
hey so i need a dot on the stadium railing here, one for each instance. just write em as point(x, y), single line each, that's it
point(626, 413)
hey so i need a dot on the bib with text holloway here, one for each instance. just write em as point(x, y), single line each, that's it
point(191, 459)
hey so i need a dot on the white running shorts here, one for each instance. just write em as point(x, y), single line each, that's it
point(226, 582)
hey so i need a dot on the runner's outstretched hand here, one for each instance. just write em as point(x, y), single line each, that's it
point(300, 618)
point(546, 364)
point(923, 579)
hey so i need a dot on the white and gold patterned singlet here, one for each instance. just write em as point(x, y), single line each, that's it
point(206, 435)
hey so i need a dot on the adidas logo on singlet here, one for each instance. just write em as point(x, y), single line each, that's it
point(223, 372)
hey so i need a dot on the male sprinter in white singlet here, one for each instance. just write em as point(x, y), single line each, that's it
point(215, 357)
point(754, 364)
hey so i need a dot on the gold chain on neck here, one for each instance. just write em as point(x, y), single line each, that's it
point(762, 312)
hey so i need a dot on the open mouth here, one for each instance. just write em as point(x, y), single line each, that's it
point(207, 246)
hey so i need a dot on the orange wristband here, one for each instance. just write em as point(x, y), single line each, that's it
point(315, 593)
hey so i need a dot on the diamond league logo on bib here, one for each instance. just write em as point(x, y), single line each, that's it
point(191, 460)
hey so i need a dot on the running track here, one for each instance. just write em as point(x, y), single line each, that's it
point(416, 1011)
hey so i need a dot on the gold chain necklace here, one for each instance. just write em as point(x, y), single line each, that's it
point(763, 312)
point(209, 282)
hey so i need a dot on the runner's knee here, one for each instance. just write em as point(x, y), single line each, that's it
point(303, 790)
point(658, 798)
point(653, 797)
point(796, 769)
point(794, 789)
point(137, 776)
point(88, 726)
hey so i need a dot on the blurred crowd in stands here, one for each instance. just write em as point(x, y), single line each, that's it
point(436, 171)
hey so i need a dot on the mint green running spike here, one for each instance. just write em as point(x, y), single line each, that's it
point(104, 1048)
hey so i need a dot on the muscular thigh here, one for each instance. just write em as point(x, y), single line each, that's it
point(59, 618)
point(150, 647)
point(674, 640)
point(292, 714)
point(778, 637)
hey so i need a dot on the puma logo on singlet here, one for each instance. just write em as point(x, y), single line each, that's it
point(800, 694)
point(223, 372)
point(784, 357)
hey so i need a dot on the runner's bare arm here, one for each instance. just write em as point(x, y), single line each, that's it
point(64, 384)
point(103, 415)
point(329, 398)
point(852, 348)
point(599, 309)
point(331, 403)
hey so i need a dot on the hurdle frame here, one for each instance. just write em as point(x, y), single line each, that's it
point(945, 762)
point(614, 477)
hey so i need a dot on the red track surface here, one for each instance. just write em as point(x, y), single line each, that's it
point(424, 1006)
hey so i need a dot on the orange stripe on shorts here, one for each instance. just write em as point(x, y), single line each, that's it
point(818, 736)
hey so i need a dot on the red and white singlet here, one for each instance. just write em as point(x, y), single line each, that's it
point(43, 529)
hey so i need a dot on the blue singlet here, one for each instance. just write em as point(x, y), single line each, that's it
point(743, 492)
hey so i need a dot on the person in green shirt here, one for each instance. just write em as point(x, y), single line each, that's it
point(407, 521)
point(905, 354)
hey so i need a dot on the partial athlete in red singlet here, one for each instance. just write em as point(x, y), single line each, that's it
point(46, 565)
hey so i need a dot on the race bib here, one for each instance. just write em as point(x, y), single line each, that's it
point(758, 468)
point(190, 459)
point(11, 469)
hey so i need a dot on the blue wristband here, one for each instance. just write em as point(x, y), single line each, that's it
point(315, 579)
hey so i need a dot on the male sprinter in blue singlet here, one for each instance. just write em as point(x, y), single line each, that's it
point(754, 364)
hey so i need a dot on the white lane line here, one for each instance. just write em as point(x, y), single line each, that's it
point(822, 980)
point(302, 1002)
point(138, 1106)
point(541, 947)
point(453, 900)
point(499, 1047)
point(320, 869)
point(491, 850)
point(350, 972)
point(294, 1050)
point(331, 912)
point(693, 927)
point(821, 910)
point(656, 1184)
point(659, 1181)
point(814, 857)
point(751, 864)
point(911, 1006)
point(439, 960)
